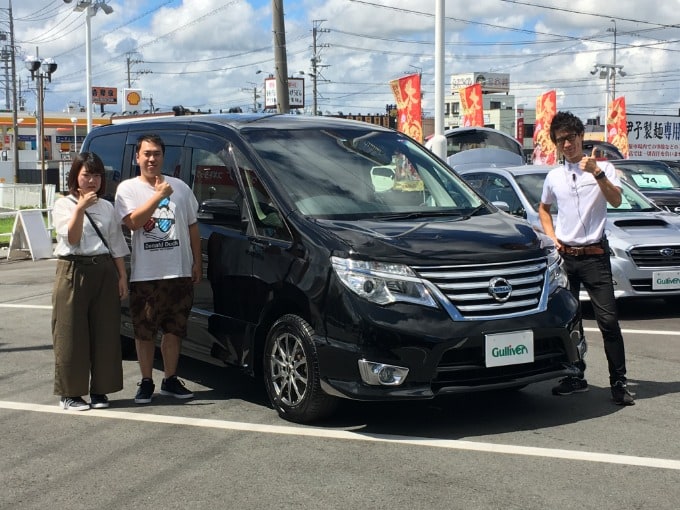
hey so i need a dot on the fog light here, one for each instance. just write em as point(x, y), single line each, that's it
point(581, 344)
point(378, 374)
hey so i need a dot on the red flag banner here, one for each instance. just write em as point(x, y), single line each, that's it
point(617, 131)
point(406, 92)
point(471, 106)
point(544, 149)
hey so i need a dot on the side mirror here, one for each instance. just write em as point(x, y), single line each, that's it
point(220, 211)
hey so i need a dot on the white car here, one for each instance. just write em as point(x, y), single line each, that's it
point(471, 147)
point(644, 239)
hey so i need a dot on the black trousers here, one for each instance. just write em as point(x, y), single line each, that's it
point(594, 272)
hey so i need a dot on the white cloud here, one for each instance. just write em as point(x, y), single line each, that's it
point(206, 54)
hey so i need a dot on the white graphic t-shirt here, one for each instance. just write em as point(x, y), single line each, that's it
point(160, 249)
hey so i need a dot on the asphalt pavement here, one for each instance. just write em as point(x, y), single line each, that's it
point(226, 448)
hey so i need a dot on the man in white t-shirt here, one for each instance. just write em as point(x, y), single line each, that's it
point(166, 263)
point(582, 187)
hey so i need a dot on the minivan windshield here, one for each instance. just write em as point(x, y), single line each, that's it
point(361, 173)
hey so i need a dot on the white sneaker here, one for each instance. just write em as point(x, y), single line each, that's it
point(73, 404)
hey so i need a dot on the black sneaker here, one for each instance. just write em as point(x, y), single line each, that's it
point(145, 391)
point(98, 401)
point(570, 385)
point(73, 404)
point(620, 394)
point(175, 388)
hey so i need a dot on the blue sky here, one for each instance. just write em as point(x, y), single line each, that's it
point(206, 54)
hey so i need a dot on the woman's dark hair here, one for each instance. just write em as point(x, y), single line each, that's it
point(94, 165)
point(566, 121)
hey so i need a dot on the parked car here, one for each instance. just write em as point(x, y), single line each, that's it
point(468, 147)
point(344, 260)
point(653, 179)
point(673, 165)
point(644, 239)
point(603, 150)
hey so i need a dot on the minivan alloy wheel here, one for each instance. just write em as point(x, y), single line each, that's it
point(288, 369)
point(291, 371)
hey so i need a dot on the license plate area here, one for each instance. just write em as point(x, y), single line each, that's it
point(666, 280)
point(512, 348)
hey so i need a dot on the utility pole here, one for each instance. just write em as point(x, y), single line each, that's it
point(15, 106)
point(255, 94)
point(613, 62)
point(5, 55)
point(130, 60)
point(280, 58)
point(316, 61)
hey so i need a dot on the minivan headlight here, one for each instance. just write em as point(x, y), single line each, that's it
point(382, 283)
point(556, 273)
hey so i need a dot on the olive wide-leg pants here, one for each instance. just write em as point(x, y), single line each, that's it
point(86, 327)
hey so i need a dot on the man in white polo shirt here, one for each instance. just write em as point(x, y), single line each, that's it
point(581, 187)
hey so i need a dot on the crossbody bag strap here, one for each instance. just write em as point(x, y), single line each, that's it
point(96, 228)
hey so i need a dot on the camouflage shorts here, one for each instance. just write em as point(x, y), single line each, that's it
point(161, 305)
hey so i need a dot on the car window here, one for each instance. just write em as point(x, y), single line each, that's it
point(645, 176)
point(532, 187)
point(109, 149)
point(267, 219)
point(631, 200)
point(358, 173)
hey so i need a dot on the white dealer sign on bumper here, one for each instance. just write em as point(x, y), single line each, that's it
point(509, 348)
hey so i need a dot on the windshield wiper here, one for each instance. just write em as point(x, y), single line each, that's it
point(474, 211)
point(416, 214)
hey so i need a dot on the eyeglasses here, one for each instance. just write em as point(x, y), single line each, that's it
point(566, 138)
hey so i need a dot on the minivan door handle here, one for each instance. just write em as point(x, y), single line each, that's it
point(258, 247)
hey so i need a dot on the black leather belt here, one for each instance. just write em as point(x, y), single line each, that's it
point(87, 260)
point(579, 251)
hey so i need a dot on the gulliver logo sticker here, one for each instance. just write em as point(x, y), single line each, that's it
point(509, 348)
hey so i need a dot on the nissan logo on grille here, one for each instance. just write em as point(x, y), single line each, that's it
point(500, 289)
point(667, 252)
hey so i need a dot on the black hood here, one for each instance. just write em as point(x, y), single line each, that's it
point(484, 239)
point(665, 198)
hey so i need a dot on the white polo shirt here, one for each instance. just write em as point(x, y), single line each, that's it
point(581, 205)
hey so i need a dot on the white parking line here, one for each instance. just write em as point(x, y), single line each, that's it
point(640, 332)
point(33, 307)
point(451, 444)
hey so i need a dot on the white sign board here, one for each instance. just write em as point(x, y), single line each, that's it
point(653, 136)
point(29, 233)
point(296, 93)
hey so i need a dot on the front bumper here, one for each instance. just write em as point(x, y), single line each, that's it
point(443, 356)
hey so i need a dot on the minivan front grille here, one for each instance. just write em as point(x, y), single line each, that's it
point(490, 290)
point(656, 256)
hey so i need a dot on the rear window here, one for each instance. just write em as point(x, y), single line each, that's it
point(480, 139)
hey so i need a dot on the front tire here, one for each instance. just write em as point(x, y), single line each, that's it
point(291, 372)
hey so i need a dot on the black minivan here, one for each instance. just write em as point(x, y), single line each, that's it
point(343, 259)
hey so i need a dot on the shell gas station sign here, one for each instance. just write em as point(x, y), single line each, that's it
point(132, 99)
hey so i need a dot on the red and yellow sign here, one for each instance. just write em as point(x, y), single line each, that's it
point(471, 106)
point(104, 95)
point(545, 152)
point(617, 130)
point(406, 91)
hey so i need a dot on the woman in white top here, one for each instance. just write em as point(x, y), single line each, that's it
point(90, 282)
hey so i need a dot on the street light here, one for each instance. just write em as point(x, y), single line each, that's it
point(90, 7)
point(75, 133)
point(41, 69)
point(607, 72)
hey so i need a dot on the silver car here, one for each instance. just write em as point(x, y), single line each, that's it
point(644, 239)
